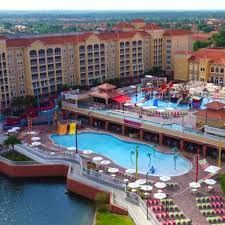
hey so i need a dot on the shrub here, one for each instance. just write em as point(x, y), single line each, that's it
point(222, 182)
point(102, 200)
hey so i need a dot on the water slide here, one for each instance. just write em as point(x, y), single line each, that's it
point(179, 100)
point(72, 129)
point(62, 127)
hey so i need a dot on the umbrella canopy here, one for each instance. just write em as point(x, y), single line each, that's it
point(152, 107)
point(146, 188)
point(36, 143)
point(35, 138)
point(147, 107)
point(164, 178)
point(130, 171)
point(160, 195)
point(128, 104)
point(212, 169)
point(160, 185)
point(16, 128)
point(11, 131)
point(71, 148)
point(161, 110)
point(195, 185)
point(210, 181)
point(87, 152)
point(97, 158)
point(169, 108)
point(113, 170)
point(141, 181)
point(133, 185)
point(139, 104)
point(32, 132)
point(105, 162)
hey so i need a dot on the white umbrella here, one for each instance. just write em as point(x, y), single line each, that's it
point(212, 169)
point(160, 185)
point(113, 170)
point(105, 162)
point(87, 152)
point(128, 104)
point(133, 190)
point(160, 195)
point(139, 104)
point(36, 143)
point(32, 132)
point(141, 181)
point(71, 148)
point(130, 171)
point(133, 185)
point(210, 181)
point(16, 128)
point(164, 178)
point(161, 110)
point(195, 185)
point(11, 131)
point(35, 138)
point(97, 158)
point(146, 188)
point(153, 107)
point(146, 107)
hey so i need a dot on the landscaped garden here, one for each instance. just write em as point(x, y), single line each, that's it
point(222, 182)
point(16, 156)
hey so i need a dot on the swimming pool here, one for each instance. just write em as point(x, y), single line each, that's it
point(163, 104)
point(119, 152)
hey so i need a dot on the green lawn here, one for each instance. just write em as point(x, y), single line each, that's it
point(222, 182)
point(16, 156)
point(107, 218)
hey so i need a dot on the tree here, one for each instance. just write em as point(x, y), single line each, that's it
point(200, 44)
point(11, 140)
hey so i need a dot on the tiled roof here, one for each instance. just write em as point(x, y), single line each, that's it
point(215, 105)
point(54, 40)
point(106, 87)
point(177, 32)
point(201, 37)
point(215, 55)
point(212, 114)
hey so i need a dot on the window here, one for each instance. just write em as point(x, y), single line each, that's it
point(217, 69)
point(221, 80)
point(216, 80)
point(212, 69)
point(57, 51)
point(202, 69)
point(49, 51)
point(221, 70)
point(41, 53)
point(33, 53)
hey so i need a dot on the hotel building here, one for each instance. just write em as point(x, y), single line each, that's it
point(41, 65)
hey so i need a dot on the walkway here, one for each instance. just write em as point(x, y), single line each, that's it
point(119, 197)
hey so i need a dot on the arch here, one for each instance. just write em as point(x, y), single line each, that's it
point(49, 51)
point(212, 79)
point(216, 80)
point(127, 43)
point(57, 50)
point(121, 44)
point(33, 53)
point(41, 52)
point(81, 48)
point(89, 47)
point(96, 47)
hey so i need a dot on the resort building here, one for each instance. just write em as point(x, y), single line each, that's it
point(204, 65)
point(41, 65)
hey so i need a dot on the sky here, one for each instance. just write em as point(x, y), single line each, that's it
point(112, 4)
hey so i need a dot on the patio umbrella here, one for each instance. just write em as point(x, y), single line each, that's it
point(113, 170)
point(139, 104)
point(141, 181)
point(87, 152)
point(161, 110)
point(11, 131)
point(128, 104)
point(153, 107)
point(160, 185)
point(169, 108)
point(71, 148)
point(32, 132)
point(105, 162)
point(146, 107)
point(160, 195)
point(16, 128)
point(130, 171)
point(36, 143)
point(212, 169)
point(146, 188)
point(164, 178)
point(133, 185)
point(194, 185)
point(210, 181)
point(35, 138)
point(97, 158)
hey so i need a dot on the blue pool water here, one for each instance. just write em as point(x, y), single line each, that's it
point(41, 202)
point(119, 152)
point(163, 104)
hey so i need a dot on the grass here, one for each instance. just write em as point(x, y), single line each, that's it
point(107, 218)
point(222, 182)
point(16, 156)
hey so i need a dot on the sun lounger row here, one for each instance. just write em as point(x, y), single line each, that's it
point(216, 219)
point(210, 205)
point(209, 199)
point(177, 222)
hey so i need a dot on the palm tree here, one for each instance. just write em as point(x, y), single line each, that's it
point(131, 157)
point(175, 161)
point(11, 140)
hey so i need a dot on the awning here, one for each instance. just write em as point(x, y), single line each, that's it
point(121, 99)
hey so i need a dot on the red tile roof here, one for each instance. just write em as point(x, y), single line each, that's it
point(106, 87)
point(212, 114)
point(122, 25)
point(177, 32)
point(151, 26)
point(215, 55)
point(201, 37)
point(215, 105)
point(54, 40)
point(137, 21)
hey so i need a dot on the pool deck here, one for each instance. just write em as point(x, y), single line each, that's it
point(182, 196)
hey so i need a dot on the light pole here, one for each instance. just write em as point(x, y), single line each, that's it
point(76, 142)
point(206, 92)
point(147, 195)
point(136, 159)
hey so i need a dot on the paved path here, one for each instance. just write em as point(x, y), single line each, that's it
point(119, 197)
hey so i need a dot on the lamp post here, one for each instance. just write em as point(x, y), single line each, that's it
point(136, 159)
point(147, 195)
point(206, 92)
point(76, 142)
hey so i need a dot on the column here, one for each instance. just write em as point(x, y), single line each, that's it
point(181, 145)
point(141, 134)
point(91, 121)
point(123, 129)
point(106, 125)
point(204, 150)
point(160, 138)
